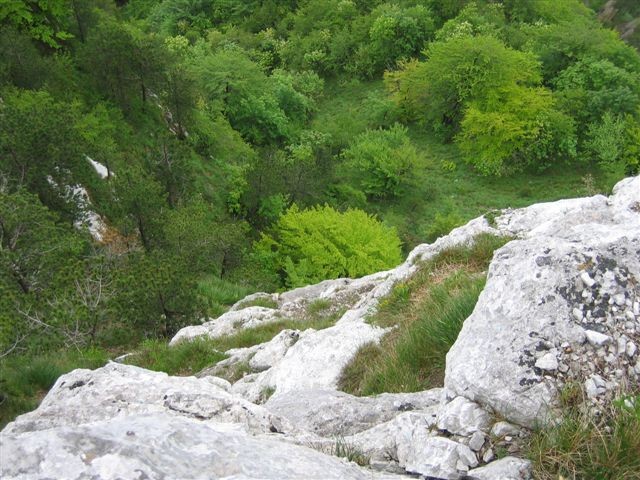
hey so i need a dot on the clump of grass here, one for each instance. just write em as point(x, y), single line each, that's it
point(218, 294)
point(582, 446)
point(428, 312)
point(25, 379)
point(318, 306)
point(266, 394)
point(344, 449)
point(184, 359)
point(259, 302)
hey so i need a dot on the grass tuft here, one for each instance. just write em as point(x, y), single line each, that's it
point(318, 306)
point(183, 359)
point(582, 446)
point(218, 294)
point(259, 302)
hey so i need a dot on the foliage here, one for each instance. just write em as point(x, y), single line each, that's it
point(41, 20)
point(395, 33)
point(46, 156)
point(442, 224)
point(523, 130)
point(306, 246)
point(459, 71)
point(385, 160)
point(40, 259)
point(589, 88)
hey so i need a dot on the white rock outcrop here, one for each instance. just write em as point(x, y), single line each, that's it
point(559, 297)
point(508, 468)
point(116, 390)
point(155, 446)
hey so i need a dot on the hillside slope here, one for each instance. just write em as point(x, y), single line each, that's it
point(561, 306)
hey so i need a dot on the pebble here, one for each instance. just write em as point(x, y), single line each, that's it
point(596, 338)
point(488, 456)
point(587, 280)
point(477, 441)
point(547, 362)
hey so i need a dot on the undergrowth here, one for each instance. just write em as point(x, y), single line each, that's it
point(428, 312)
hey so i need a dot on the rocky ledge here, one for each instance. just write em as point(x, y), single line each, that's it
point(561, 304)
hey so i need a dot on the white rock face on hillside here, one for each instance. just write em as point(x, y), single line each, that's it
point(318, 358)
point(561, 304)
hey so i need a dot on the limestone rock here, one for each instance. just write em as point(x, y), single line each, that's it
point(463, 417)
point(547, 362)
point(502, 429)
point(527, 306)
point(157, 445)
point(399, 439)
point(441, 458)
point(508, 468)
point(476, 441)
point(116, 391)
point(315, 361)
point(597, 339)
point(332, 413)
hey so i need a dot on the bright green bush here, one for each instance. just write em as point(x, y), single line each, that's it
point(385, 160)
point(307, 246)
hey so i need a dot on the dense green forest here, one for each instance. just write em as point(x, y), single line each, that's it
point(161, 159)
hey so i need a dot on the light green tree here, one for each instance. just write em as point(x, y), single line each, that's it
point(456, 72)
point(307, 246)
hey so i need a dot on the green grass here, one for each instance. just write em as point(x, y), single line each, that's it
point(582, 446)
point(25, 380)
point(186, 358)
point(218, 294)
point(428, 312)
point(318, 307)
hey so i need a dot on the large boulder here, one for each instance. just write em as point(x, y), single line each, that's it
point(560, 304)
point(117, 391)
point(333, 413)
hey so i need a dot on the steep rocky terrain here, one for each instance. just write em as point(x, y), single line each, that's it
point(561, 304)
